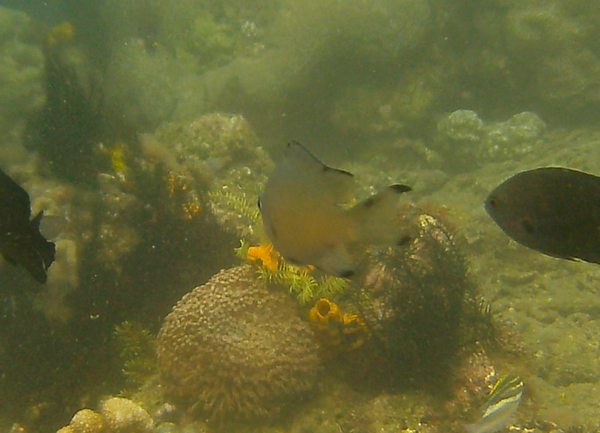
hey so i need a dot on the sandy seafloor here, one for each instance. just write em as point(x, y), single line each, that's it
point(553, 304)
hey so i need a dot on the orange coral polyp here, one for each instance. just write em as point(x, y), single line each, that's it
point(324, 311)
point(323, 308)
point(336, 330)
point(266, 254)
point(61, 34)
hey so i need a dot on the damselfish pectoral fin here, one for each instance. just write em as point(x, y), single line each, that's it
point(10, 260)
point(337, 261)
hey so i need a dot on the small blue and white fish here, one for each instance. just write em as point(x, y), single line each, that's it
point(303, 212)
point(502, 404)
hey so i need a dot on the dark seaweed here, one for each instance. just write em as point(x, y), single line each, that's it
point(70, 124)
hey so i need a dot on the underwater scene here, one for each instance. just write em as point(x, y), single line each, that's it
point(298, 216)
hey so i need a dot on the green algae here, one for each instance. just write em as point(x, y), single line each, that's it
point(211, 43)
point(300, 282)
point(137, 348)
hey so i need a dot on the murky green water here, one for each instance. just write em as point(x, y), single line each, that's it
point(151, 127)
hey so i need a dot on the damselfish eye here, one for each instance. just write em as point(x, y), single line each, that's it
point(493, 202)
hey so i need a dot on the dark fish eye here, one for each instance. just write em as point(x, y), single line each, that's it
point(346, 274)
point(493, 202)
point(404, 241)
point(369, 202)
point(526, 224)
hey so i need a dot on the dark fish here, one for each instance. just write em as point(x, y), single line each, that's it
point(21, 242)
point(553, 210)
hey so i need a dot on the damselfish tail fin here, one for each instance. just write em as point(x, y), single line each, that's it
point(377, 217)
point(470, 428)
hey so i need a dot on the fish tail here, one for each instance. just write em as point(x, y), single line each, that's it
point(378, 217)
point(470, 428)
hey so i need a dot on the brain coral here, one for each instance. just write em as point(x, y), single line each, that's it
point(236, 350)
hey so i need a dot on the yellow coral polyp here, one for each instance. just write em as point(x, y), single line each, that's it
point(61, 34)
point(191, 210)
point(266, 254)
point(176, 183)
point(184, 197)
point(117, 159)
point(173, 183)
point(324, 312)
point(335, 330)
point(355, 329)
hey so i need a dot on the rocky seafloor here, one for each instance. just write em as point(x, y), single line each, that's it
point(547, 306)
point(197, 100)
point(552, 303)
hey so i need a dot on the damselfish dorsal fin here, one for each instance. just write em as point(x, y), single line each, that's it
point(331, 185)
point(9, 259)
point(35, 222)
